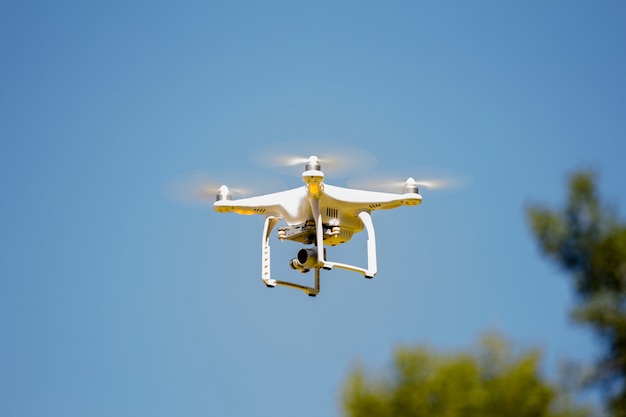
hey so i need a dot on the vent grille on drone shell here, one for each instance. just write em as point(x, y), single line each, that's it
point(332, 212)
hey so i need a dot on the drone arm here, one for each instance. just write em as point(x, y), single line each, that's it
point(371, 200)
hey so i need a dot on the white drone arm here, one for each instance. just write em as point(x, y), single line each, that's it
point(371, 200)
point(281, 204)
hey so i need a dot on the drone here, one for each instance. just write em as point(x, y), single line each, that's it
point(317, 215)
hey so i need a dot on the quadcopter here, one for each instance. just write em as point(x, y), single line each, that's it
point(317, 215)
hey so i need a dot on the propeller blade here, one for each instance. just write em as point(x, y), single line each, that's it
point(335, 159)
point(201, 188)
point(393, 182)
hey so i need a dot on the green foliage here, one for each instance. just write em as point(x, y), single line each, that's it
point(488, 381)
point(589, 242)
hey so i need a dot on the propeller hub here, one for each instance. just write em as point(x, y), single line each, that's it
point(223, 194)
point(313, 164)
point(410, 187)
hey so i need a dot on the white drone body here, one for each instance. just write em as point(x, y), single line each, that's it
point(317, 214)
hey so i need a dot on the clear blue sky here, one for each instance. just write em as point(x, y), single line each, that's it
point(117, 301)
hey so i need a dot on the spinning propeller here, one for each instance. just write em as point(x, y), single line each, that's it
point(200, 187)
point(335, 160)
point(394, 182)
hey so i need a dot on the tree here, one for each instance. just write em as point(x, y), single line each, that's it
point(586, 238)
point(488, 381)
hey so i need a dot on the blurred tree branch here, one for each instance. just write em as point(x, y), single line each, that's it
point(588, 241)
point(490, 380)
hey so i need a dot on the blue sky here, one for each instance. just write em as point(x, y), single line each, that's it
point(115, 300)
